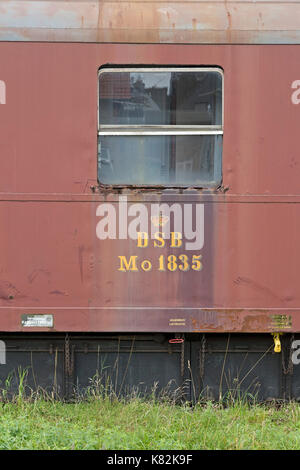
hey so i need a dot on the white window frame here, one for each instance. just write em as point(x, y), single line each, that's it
point(157, 129)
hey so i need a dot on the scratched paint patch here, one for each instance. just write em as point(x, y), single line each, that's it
point(40, 321)
point(281, 322)
point(205, 320)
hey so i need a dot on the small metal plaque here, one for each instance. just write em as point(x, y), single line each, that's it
point(281, 322)
point(37, 321)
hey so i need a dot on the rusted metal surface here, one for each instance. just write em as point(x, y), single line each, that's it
point(160, 21)
point(51, 260)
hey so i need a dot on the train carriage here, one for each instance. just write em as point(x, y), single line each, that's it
point(149, 195)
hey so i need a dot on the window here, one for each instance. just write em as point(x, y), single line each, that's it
point(160, 126)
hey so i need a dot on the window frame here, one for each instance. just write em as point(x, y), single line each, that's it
point(158, 129)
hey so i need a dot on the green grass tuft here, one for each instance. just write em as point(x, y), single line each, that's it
point(102, 423)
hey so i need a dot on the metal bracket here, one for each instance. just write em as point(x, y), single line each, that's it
point(277, 343)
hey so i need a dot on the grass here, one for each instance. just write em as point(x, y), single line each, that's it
point(101, 419)
point(103, 423)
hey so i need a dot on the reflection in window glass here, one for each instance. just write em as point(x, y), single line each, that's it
point(160, 160)
point(160, 126)
point(165, 98)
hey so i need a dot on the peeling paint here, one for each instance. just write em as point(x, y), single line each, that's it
point(226, 21)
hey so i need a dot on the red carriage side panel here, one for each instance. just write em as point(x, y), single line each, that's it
point(52, 261)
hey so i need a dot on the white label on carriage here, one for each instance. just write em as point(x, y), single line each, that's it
point(37, 321)
point(2, 92)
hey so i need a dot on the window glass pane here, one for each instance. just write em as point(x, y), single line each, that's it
point(160, 160)
point(160, 98)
